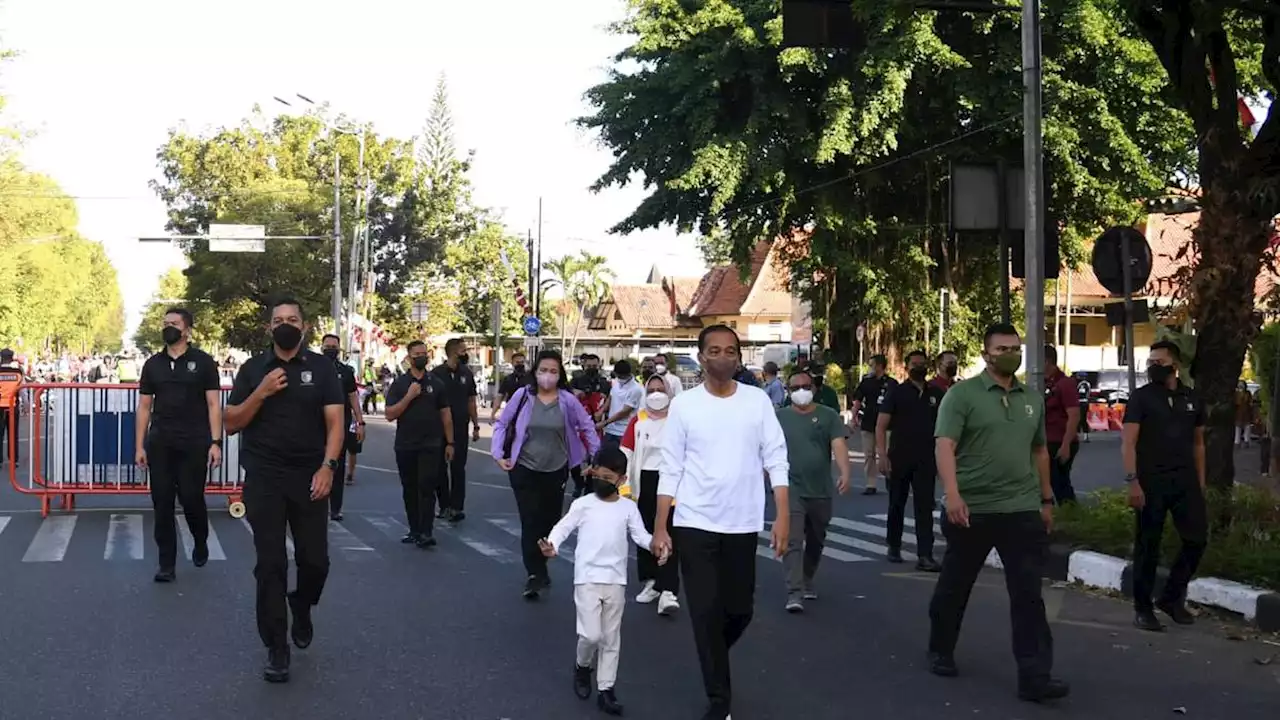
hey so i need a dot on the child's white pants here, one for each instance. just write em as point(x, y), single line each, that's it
point(600, 628)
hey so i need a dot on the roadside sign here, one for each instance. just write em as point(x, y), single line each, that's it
point(237, 238)
point(532, 325)
point(1109, 261)
point(420, 312)
point(532, 341)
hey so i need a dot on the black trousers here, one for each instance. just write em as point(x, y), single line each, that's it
point(10, 435)
point(1182, 499)
point(540, 502)
point(276, 498)
point(451, 491)
point(666, 578)
point(719, 585)
point(920, 481)
point(420, 478)
point(337, 494)
point(1022, 542)
point(178, 473)
point(1060, 473)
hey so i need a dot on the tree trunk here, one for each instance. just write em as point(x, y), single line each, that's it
point(1230, 244)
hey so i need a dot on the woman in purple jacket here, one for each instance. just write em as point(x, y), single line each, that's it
point(542, 432)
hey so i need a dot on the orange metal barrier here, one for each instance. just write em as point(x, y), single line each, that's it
point(80, 440)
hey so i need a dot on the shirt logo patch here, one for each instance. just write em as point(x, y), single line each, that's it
point(933, 401)
point(306, 377)
point(1030, 410)
point(1190, 407)
point(191, 366)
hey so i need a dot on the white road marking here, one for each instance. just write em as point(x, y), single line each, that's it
point(189, 541)
point(4, 522)
point(124, 538)
point(51, 540)
point(512, 528)
point(351, 547)
point(830, 552)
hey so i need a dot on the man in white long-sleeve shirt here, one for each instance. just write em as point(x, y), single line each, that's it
point(720, 438)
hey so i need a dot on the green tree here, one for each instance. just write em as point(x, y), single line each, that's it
point(279, 174)
point(473, 266)
point(171, 291)
point(584, 280)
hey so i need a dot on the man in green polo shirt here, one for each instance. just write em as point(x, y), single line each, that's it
point(994, 466)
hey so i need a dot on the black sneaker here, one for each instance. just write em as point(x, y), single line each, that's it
point(607, 701)
point(532, 586)
point(894, 556)
point(303, 630)
point(457, 516)
point(716, 712)
point(336, 517)
point(869, 491)
point(1046, 691)
point(1177, 612)
point(926, 563)
point(165, 575)
point(200, 554)
point(277, 668)
point(409, 538)
point(1147, 620)
point(943, 665)
point(582, 682)
point(426, 542)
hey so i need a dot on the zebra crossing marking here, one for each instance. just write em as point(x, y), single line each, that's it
point(512, 528)
point(827, 551)
point(52, 539)
point(189, 541)
point(124, 538)
point(347, 544)
point(490, 550)
point(4, 522)
point(389, 526)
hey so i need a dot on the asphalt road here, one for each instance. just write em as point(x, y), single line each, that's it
point(406, 634)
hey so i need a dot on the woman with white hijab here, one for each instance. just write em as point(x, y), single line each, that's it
point(642, 445)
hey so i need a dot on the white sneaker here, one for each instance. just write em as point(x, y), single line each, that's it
point(667, 603)
point(648, 594)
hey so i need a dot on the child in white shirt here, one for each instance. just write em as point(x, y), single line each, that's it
point(603, 521)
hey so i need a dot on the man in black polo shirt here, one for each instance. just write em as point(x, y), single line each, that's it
point(518, 378)
point(592, 390)
point(460, 389)
point(179, 410)
point(867, 397)
point(419, 406)
point(287, 405)
point(352, 420)
point(1163, 450)
point(905, 425)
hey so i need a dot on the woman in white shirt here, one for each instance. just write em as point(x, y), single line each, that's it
point(642, 444)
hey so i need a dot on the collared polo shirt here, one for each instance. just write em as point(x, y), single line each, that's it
point(459, 388)
point(179, 405)
point(1060, 395)
point(421, 426)
point(995, 431)
point(913, 414)
point(289, 432)
point(1167, 421)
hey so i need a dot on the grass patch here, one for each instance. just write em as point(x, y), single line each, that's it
point(1244, 539)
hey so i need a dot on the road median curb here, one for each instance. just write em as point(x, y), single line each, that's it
point(1095, 570)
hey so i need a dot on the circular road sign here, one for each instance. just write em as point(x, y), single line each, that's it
point(532, 325)
point(1108, 260)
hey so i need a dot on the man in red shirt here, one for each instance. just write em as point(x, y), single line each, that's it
point(947, 366)
point(1061, 421)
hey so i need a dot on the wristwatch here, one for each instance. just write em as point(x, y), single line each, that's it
point(1046, 501)
point(217, 442)
point(331, 464)
point(1131, 477)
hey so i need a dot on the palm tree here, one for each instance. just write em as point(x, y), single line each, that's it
point(585, 280)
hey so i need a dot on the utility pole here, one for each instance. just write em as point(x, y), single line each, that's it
point(533, 293)
point(537, 290)
point(354, 285)
point(337, 242)
point(1033, 162)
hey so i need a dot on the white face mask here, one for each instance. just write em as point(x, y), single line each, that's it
point(657, 401)
point(801, 397)
point(660, 369)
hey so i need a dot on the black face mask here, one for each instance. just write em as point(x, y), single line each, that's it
point(646, 374)
point(286, 336)
point(170, 335)
point(605, 490)
point(1159, 374)
point(518, 368)
point(419, 363)
point(592, 372)
point(462, 359)
point(331, 353)
point(917, 373)
point(949, 370)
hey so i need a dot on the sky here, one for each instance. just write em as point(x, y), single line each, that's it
point(99, 85)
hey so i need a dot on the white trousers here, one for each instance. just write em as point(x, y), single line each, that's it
point(600, 629)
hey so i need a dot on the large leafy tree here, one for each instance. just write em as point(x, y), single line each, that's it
point(584, 281)
point(171, 291)
point(277, 173)
point(848, 149)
